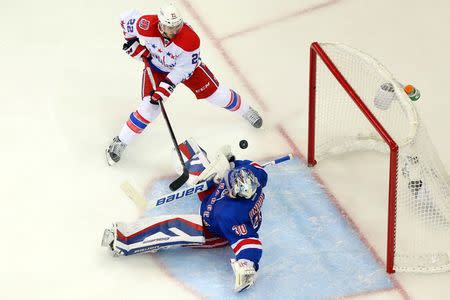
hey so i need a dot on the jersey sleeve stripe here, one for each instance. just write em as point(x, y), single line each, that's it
point(246, 244)
point(253, 247)
point(256, 165)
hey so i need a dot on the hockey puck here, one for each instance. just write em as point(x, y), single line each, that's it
point(243, 144)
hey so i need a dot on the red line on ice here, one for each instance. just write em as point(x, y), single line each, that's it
point(281, 19)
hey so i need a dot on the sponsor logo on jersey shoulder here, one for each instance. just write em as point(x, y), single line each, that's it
point(144, 24)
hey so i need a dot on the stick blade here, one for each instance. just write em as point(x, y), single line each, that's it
point(175, 185)
point(133, 194)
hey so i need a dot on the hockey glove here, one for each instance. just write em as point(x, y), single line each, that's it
point(244, 273)
point(162, 92)
point(218, 167)
point(134, 49)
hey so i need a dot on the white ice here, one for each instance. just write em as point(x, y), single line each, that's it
point(67, 88)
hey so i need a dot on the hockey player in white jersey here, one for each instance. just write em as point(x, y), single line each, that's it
point(170, 50)
point(230, 214)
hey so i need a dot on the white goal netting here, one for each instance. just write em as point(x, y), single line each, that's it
point(422, 231)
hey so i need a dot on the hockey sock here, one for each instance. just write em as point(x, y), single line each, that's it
point(236, 103)
point(134, 126)
point(138, 121)
point(228, 99)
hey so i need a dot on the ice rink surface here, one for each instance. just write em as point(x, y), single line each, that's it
point(337, 260)
point(67, 88)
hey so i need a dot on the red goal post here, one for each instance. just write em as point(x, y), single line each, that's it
point(356, 104)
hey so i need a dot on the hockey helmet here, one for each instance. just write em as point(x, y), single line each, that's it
point(170, 21)
point(241, 182)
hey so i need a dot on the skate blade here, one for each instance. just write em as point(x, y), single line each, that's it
point(109, 160)
point(108, 237)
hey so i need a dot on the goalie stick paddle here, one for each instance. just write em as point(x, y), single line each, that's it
point(278, 160)
point(143, 205)
point(177, 183)
point(131, 192)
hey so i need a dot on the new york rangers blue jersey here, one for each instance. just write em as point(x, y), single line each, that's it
point(237, 219)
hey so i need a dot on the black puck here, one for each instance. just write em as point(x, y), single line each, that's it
point(243, 144)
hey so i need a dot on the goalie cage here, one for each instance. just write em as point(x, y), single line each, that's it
point(345, 82)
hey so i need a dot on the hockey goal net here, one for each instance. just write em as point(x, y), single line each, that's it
point(355, 104)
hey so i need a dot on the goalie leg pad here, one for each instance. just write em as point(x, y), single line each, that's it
point(152, 234)
point(195, 158)
point(212, 241)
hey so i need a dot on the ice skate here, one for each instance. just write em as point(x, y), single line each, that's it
point(109, 236)
point(114, 151)
point(253, 117)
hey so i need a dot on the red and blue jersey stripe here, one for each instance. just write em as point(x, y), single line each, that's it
point(248, 248)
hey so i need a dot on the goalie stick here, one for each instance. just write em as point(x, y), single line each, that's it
point(143, 204)
point(177, 183)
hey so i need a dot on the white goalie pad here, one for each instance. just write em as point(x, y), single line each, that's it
point(150, 234)
point(195, 159)
point(199, 167)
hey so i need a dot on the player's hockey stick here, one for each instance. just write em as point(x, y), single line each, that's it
point(143, 205)
point(177, 183)
point(278, 160)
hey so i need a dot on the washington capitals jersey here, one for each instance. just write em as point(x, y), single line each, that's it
point(237, 219)
point(177, 57)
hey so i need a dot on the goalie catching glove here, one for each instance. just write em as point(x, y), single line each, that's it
point(244, 273)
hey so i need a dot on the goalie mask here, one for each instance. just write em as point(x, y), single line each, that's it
point(241, 182)
point(170, 21)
